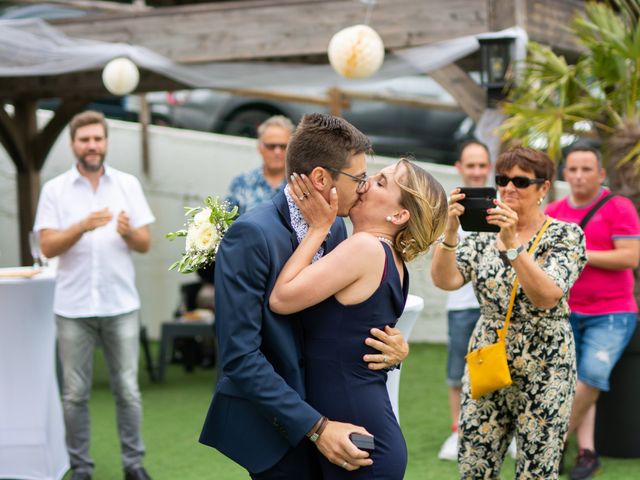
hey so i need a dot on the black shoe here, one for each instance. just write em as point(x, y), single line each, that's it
point(138, 473)
point(588, 464)
point(80, 475)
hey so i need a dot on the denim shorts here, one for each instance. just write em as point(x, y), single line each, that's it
point(460, 323)
point(600, 341)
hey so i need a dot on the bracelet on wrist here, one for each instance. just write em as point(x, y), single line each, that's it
point(322, 426)
point(449, 248)
point(316, 433)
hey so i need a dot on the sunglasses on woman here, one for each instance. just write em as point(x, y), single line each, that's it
point(518, 182)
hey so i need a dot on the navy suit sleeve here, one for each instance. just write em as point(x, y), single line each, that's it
point(243, 265)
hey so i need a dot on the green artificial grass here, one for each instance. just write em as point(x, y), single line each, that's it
point(175, 410)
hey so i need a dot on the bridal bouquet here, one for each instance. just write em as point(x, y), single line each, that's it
point(204, 229)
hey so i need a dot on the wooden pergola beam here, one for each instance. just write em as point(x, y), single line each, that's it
point(262, 29)
point(249, 30)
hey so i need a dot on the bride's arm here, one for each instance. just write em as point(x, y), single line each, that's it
point(301, 283)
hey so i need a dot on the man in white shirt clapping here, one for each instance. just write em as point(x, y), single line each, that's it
point(91, 217)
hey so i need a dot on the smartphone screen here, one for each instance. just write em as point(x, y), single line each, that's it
point(476, 202)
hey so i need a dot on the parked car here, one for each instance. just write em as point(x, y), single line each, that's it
point(426, 133)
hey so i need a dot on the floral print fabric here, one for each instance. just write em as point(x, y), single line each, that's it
point(540, 352)
point(250, 189)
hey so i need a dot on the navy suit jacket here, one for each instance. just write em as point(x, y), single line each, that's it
point(258, 410)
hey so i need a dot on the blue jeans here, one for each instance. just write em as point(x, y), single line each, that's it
point(461, 324)
point(77, 340)
point(600, 341)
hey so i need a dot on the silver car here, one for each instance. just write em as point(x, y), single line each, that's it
point(426, 133)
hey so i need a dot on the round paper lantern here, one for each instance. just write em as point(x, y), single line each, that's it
point(120, 76)
point(356, 52)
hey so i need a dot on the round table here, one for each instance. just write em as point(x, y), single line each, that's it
point(32, 444)
point(405, 324)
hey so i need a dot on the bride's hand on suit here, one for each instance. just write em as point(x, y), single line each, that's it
point(317, 212)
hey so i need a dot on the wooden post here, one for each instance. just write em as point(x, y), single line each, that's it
point(28, 172)
point(144, 118)
point(335, 101)
point(28, 148)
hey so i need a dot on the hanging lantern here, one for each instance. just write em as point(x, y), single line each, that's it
point(356, 52)
point(120, 76)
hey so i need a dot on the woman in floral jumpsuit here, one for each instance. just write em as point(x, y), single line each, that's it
point(540, 349)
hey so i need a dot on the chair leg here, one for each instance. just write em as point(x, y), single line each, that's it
point(144, 341)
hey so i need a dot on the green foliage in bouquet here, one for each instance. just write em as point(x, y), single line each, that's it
point(204, 229)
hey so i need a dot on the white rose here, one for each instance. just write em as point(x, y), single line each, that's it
point(192, 234)
point(206, 237)
point(202, 217)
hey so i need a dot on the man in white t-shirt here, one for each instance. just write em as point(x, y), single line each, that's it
point(463, 311)
point(92, 217)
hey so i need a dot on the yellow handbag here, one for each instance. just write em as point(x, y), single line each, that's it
point(488, 367)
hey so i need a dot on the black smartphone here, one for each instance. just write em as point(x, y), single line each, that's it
point(476, 202)
point(363, 442)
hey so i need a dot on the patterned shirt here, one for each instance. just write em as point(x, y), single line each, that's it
point(298, 223)
point(250, 189)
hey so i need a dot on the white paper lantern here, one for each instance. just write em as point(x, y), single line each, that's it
point(356, 52)
point(120, 76)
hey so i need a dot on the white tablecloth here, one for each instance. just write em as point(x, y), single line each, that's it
point(405, 324)
point(32, 442)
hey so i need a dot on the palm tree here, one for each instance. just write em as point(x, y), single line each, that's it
point(598, 96)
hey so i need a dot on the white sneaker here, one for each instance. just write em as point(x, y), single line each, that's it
point(449, 449)
point(513, 449)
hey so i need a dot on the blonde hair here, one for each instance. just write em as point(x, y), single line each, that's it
point(425, 199)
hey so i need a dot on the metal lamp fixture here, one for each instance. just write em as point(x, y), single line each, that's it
point(496, 57)
point(120, 76)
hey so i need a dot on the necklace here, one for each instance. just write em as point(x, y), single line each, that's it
point(386, 240)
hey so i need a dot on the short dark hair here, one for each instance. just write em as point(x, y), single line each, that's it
point(585, 147)
point(470, 142)
point(83, 119)
point(322, 140)
point(529, 160)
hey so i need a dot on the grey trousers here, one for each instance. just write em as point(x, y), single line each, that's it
point(77, 340)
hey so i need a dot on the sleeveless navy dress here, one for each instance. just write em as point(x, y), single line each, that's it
point(339, 383)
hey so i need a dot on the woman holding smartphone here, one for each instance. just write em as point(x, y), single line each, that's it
point(540, 350)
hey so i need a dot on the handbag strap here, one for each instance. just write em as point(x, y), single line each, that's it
point(502, 332)
point(594, 209)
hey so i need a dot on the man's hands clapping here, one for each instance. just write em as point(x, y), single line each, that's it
point(96, 219)
point(123, 227)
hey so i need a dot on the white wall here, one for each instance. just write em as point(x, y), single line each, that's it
point(185, 167)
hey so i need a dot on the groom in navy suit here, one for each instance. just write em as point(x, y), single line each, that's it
point(258, 416)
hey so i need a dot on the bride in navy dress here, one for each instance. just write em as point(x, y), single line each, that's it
point(360, 285)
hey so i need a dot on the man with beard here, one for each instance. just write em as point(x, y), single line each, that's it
point(91, 217)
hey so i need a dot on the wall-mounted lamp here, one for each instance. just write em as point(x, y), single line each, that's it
point(496, 56)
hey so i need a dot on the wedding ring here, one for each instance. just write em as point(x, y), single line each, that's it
point(305, 194)
point(344, 464)
point(504, 218)
point(301, 197)
point(385, 359)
